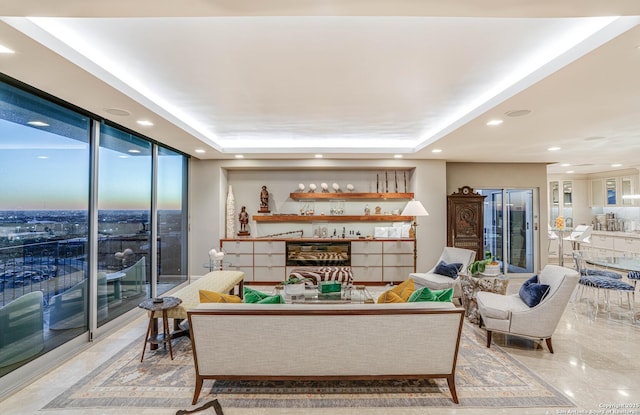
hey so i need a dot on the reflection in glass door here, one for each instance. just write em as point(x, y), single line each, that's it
point(509, 231)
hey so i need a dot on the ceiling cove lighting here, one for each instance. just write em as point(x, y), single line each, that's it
point(553, 149)
point(145, 123)
point(38, 123)
point(6, 50)
point(494, 122)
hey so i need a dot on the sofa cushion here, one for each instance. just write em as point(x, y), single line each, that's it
point(448, 270)
point(272, 299)
point(405, 289)
point(532, 292)
point(207, 296)
point(498, 306)
point(253, 296)
point(390, 297)
point(426, 294)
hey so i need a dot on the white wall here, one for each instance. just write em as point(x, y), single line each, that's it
point(210, 180)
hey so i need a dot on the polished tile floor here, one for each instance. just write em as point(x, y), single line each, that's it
point(596, 364)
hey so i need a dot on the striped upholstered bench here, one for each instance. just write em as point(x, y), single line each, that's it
point(316, 274)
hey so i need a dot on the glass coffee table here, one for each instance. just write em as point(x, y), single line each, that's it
point(348, 294)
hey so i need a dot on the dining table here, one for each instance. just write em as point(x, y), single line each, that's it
point(617, 263)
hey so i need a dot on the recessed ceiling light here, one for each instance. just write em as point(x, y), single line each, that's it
point(145, 123)
point(124, 156)
point(199, 150)
point(553, 148)
point(436, 150)
point(239, 156)
point(319, 156)
point(38, 123)
point(43, 157)
point(118, 111)
point(494, 122)
point(517, 113)
point(134, 151)
point(397, 156)
point(4, 49)
point(616, 165)
point(570, 171)
point(565, 164)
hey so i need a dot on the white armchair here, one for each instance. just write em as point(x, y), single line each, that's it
point(509, 314)
point(435, 281)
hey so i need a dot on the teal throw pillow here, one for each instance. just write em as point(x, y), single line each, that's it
point(253, 296)
point(425, 294)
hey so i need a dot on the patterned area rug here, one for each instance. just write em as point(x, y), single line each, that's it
point(484, 378)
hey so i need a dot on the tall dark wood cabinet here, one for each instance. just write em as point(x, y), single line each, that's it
point(465, 220)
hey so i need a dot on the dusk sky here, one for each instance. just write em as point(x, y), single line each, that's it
point(41, 170)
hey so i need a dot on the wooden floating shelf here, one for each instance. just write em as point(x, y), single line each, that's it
point(330, 218)
point(347, 195)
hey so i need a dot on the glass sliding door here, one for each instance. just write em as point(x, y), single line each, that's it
point(509, 230)
point(124, 212)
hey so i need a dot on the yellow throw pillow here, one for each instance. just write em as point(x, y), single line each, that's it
point(207, 296)
point(405, 289)
point(390, 297)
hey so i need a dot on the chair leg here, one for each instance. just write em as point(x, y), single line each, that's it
point(488, 339)
point(549, 344)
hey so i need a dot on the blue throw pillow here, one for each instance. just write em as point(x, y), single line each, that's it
point(448, 270)
point(532, 292)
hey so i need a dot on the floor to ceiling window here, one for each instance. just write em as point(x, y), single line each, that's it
point(44, 182)
point(124, 216)
point(51, 282)
point(172, 225)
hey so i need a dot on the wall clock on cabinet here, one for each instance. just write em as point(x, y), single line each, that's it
point(465, 220)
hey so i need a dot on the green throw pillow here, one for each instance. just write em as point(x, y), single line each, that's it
point(425, 294)
point(273, 299)
point(253, 296)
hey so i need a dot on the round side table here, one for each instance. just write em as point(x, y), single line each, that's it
point(471, 285)
point(153, 306)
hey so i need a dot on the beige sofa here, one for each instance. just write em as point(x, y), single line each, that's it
point(350, 341)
